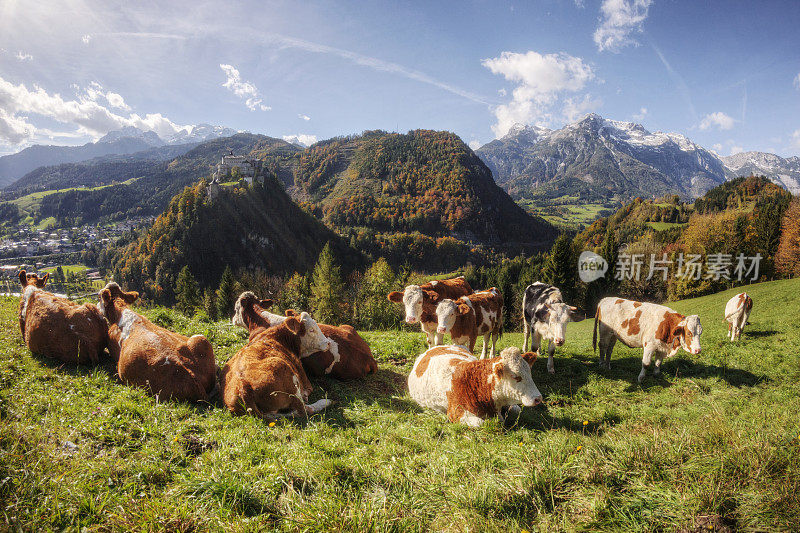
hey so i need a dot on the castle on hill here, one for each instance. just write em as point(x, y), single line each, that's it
point(232, 166)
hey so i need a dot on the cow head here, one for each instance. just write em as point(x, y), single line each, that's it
point(113, 300)
point(447, 312)
point(26, 279)
point(413, 299)
point(312, 340)
point(249, 302)
point(513, 383)
point(555, 317)
point(688, 332)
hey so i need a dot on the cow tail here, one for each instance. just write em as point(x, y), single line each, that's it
point(594, 331)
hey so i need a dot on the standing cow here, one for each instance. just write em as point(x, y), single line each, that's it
point(737, 313)
point(480, 313)
point(59, 328)
point(449, 379)
point(545, 316)
point(420, 302)
point(658, 329)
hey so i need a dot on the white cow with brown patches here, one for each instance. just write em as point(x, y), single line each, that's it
point(465, 319)
point(659, 330)
point(737, 313)
point(449, 379)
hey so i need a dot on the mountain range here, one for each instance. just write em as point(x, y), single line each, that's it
point(128, 140)
point(597, 159)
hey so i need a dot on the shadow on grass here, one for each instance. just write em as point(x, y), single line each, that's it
point(759, 333)
point(106, 364)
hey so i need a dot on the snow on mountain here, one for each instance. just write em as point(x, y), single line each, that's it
point(199, 133)
point(783, 171)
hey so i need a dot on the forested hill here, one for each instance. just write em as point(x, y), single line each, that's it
point(257, 228)
point(423, 181)
point(158, 183)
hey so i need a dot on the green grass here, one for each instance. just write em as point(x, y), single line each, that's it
point(29, 204)
point(564, 215)
point(75, 269)
point(661, 226)
point(714, 440)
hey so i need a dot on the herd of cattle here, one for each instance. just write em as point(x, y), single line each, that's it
point(268, 377)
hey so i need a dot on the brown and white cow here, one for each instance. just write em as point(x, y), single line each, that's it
point(266, 378)
point(737, 313)
point(420, 302)
point(449, 379)
point(165, 363)
point(59, 328)
point(480, 313)
point(658, 329)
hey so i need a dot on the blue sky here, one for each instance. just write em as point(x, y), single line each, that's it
point(726, 74)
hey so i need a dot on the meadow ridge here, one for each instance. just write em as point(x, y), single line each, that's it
point(713, 442)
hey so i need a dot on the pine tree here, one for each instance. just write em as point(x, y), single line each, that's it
point(379, 280)
point(187, 295)
point(226, 294)
point(210, 303)
point(561, 267)
point(327, 288)
point(296, 293)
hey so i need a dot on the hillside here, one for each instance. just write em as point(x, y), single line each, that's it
point(711, 444)
point(597, 160)
point(257, 227)
point(424, 181)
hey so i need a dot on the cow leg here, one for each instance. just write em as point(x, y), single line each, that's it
point(646, 357)
point(551, 349)
point(484, 349)
point(526, 331)
point(495, 337)
point(606, 341)
point(657, 368)
point(536, 341)
point(472, 420)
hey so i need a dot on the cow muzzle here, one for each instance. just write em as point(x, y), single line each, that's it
point(697, 351)
point(559, 342)
point(533, 403)
point(411, 320)
point(441, 330)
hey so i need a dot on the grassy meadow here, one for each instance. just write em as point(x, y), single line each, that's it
point(714, 444)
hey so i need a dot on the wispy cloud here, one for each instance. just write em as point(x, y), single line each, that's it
point(243, 89)
point(22, 56)
point(86, 38)
point(718, 120)
point(619, 21)
point(302, 139)
point(796, 139)
point(641, 114)
point(542, 80)
point(680, 83)
point(796, 81)
point(304, 117)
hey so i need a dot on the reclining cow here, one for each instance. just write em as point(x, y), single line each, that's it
point(737, 314)
point(59, 328)
point(266, 378)
point(449, 379)
point(658, 329)
point(165, 363)
point(420, 302)
point(545, 316)
point(480, 313)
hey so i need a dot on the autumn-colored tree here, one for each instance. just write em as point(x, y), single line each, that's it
point(787, 258)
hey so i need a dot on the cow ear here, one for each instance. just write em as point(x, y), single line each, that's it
point(265, 303)
point(293, 324)
point(464, 309)
point(497, 370)
point(433, 296)
point(395, 297)
point(130, 297)
point(105, 295)
point(530, 357)
point(43, 280)
point(678, 331)
point(23, 278)
point(290, 312)
point(576, 315)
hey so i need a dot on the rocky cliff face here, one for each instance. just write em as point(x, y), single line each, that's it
point(783, 171)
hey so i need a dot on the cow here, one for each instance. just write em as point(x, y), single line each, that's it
point(545, 316)
point(480, 313)
point(449, 379)
point(266, 378)
point(349, 357)
point(737, 312)
point(59, 328)
point(166, 364)
point(420, 302)
point(659, 330)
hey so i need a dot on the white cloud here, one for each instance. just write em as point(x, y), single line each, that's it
point(641, 114)
point(86, 113)
point(300, 138)
point(619, 20)
point(796, 81)
point(86, 38)
point(541, 80)
point(576, 108)
point(736, 150)
point(475, 144)
point(94, 92)
point(796, 138)
point(22, 56)
point(304, 117)
point(717, 120)
point(243, 89)
point(717, 147)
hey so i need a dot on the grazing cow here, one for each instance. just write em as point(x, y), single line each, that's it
point(480, 313)
point(420, 302)
point(658, 329)
point(737, 312)
point(266, 378)
point(545, 316)
point(449, 379)
point(59, 328)
point(165, 363)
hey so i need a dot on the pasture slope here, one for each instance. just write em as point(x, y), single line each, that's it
point(711, 445)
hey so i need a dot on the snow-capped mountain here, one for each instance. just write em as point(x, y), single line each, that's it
point(199, 133)
point(783, 171)
point(597, 158)
point(129, 132)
